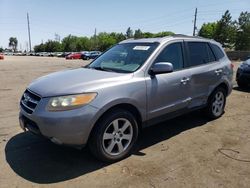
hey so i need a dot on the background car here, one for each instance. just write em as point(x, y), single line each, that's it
point(90, 55)
point(74, 56)
point(243, 74)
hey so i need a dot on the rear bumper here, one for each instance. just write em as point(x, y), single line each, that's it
point(66, 127)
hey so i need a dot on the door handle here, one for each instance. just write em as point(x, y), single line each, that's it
point(184, 80)
point(218, 71)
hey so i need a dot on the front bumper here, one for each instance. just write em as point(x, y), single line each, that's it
point(70, 127)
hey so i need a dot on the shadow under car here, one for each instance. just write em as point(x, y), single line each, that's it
point(38, 160)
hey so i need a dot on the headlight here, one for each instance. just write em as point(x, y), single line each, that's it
point(70, 102)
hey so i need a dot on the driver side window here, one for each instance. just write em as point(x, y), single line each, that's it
point(172, 54)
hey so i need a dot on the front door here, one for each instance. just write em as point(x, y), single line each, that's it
point(168, 92)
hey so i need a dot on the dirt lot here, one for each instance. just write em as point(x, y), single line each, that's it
point(188, 151)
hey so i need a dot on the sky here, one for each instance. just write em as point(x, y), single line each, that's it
point(80, 18)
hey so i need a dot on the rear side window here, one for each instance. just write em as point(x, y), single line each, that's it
point(217, 51)
point(199, 53)
point(172, 54)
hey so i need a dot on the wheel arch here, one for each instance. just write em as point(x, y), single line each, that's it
point(223, 85)
point(126, 106)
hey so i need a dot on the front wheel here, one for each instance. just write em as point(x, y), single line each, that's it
point(114, 136)
point(216, 103)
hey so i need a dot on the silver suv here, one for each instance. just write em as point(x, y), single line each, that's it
point(135, 84)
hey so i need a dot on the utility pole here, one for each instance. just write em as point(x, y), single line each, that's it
point(95, 38)
point(28, 21)
point(195, 16)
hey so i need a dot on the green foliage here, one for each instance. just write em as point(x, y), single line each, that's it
point(100, 42)
point(138, 34)
point(52, 46)
point(129, 33)
point(105, 41)
point(225, 32)
point(208, 30)
point(231, 34)
point(13, 42)
point(163, 34)
point(243, 32)
point(1, 49)
point(69, 43)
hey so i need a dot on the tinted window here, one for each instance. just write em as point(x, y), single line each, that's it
point(210, 54)
point(199, 53)
point(217, 51)
point(172, 54)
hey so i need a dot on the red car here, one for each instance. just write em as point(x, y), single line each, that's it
point(74, 56)
point(1, 56)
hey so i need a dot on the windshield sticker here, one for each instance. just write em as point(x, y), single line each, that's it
point(141, 47)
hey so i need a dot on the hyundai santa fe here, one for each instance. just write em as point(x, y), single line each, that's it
point(135, 84)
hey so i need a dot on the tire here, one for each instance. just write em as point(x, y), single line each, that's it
point(114, 136)
point(216, 103)
point(241, 84)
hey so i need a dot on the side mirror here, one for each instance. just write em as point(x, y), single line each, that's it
point(161, 68)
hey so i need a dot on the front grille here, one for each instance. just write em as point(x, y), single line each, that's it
point(29, 101)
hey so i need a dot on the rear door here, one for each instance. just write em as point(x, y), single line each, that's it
point(206, 72)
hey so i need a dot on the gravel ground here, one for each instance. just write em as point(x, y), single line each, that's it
point(188, 151)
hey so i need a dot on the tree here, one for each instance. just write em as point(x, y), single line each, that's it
point(225, 32)
point(208, 30)
point(52, 46)
point(13, 42)
point(105, 41)
point(148, 35)
point(243, 32)
point(39, 48)
point(163, 34)
point(129, 33)
point(138, 34)
point(118, 36)
point(1, 49)
point(83, 44)
point(69, 43)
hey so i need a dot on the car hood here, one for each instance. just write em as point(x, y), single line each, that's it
point(75, 81)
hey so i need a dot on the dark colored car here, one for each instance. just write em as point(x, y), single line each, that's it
point(243, 74)
point(90, 55)
point(74, 56)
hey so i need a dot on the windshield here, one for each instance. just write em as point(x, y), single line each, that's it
point(127, 57)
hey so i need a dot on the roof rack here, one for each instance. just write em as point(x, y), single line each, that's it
point(186, 36)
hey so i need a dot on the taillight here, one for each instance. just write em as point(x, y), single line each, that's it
point(232, 66)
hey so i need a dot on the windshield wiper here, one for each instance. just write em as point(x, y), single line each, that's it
point(102, 69)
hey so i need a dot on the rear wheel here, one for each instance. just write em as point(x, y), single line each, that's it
point(114, 136)
point(216, 103)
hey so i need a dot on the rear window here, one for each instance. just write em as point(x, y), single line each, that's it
point(199, 53)
point(217, 51)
